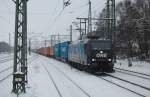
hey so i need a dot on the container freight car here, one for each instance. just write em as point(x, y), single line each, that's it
point(92, 55)
point(61, 51)
point(47, 51)
point(64, 50)
point(57, 51)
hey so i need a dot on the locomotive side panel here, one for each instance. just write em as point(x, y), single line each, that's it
point(76, 53)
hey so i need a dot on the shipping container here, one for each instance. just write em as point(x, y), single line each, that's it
point(64, 50)
point(61, 51)
point(57, 51)
point(46, 51)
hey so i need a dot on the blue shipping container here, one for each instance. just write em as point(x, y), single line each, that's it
point(61, 50)
point(57, 50)
point(64, 50)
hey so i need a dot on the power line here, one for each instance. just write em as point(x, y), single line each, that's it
point(6, 6)
point(56, 6)
point(4, 19)
point(55, 19)
point(67, 3)
point(79, 7)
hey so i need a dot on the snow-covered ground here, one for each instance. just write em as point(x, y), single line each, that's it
point(50, 78)
point(138, 66)
point(5, 55)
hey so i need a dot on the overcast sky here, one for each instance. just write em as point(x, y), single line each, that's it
point(43, 16)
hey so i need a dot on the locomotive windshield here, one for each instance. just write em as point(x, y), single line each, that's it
point(101, 44)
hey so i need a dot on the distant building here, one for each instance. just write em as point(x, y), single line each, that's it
point(4, 47)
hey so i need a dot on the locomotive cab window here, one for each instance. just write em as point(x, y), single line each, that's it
point(101, 45)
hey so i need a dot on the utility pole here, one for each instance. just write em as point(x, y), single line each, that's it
point(90, 18)
point(85, 26)
point(108, 21)
point(45, 43)
point(114, 28)
point(63, 4)
point(82, 20)
point(9, 39)
point(51, 40)
point(111, 24)
point(80, 30)
point(71, 33)
point(111, 20)
point(20, 48)
point(29, 46)
point(9, 43)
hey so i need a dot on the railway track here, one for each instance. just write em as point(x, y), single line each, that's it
point(88, 95)
point(130, 90)
point(6, 59)
point(146, 89)
point(50, 76)
point(143, 74)
point(11, 67)
point(132, 74)
point(67, 77)
point(6, 55)
point(132, 86)
point(6, 69)
point(1, 80)
point(9, 55)
point(3, 60)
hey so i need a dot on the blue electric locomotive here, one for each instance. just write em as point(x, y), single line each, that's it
point(91, 54)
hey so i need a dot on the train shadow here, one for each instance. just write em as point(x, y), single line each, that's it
point(103, 74)
point(99, 74)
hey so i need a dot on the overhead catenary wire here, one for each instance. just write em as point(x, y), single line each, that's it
point(7, 6)
point(59, 14)
point(56, 7)
point(79, 7)
point(5, 20)
point(53, 23)
point(96, 7)
point(55, 19)
point(85, 10)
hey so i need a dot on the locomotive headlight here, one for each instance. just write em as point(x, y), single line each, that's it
point(93, 60)
point(109, 59)
point(101, 52)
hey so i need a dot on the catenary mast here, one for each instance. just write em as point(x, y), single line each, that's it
point(20, 47)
